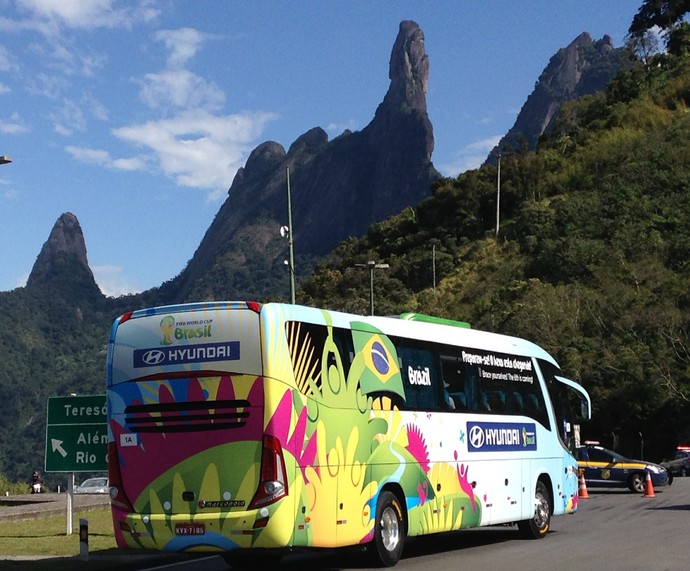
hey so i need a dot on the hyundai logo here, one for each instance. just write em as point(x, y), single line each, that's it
point(476, 436)
point(153, 357)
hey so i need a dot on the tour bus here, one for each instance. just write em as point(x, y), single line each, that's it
point(256, 429)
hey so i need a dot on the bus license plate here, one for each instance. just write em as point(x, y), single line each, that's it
point(190, 529)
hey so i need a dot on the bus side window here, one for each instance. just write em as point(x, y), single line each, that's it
point(343, 341)
point(477, 400)
point(464, 385)
point(514, 403)
point(421, 380)
point(496, 400)
point(460, 401)
point(453, 383)
point(307, 342)
point(536, 409)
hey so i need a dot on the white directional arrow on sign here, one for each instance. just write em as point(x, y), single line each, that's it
point(57, 447)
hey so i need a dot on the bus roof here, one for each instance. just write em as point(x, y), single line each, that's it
point(410, 325)
point(435, 330)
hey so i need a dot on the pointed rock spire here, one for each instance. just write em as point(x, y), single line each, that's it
point(63, 256)
point(339, 188)
point(408, 69)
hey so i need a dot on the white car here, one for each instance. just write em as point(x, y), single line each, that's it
point(92, 486)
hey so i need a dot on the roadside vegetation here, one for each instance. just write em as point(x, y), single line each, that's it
point(12, 488)
point(43, 543)
point(591, 260)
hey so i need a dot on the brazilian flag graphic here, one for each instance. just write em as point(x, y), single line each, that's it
point(381, 371)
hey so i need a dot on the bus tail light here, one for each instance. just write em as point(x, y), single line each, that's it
point(273, 479)
point(254, 306)
point(117, 494)
point(125, 317)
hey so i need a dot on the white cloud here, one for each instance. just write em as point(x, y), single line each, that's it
point(470, 157)
point(21, 280)
point(111, 281)
point(72, 116)
point(182, 44)
point(90, 13)
point(6, 63)
point(181, 89)
point(103, 158)
point(95, 156)
point(69, 118)
point(14, 126)
point(198, 149)
point(131, 164)
point(50, 86)
point(336, 129)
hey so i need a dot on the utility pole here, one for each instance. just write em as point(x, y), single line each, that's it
point(291, 262)
point(498, 195)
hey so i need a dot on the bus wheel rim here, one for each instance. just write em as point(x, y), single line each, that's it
point(390, 529)
point(541, 513)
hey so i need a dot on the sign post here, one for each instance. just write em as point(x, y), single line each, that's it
point(76, 439)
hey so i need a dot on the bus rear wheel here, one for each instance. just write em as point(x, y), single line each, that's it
point(538, 526)
point(389, 530)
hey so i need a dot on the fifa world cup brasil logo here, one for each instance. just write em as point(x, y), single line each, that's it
point(168, 327)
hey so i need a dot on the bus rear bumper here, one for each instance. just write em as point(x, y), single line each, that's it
point(199, 532)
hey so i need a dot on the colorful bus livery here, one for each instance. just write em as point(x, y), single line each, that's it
point(236, 426)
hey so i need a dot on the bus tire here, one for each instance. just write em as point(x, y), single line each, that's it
point(538, 525)
point(389, 530)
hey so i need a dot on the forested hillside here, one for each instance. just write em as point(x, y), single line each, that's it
point(590, 259)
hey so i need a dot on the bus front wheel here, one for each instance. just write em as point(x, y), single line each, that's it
point(538, 526)
point(389, 530)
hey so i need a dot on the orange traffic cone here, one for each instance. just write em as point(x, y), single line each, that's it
point(648, 487)
point(582, 489)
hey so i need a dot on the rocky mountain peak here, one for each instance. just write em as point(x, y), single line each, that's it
point(339, 189)
point(63, 256)
point(408, 69)
point(583, 67)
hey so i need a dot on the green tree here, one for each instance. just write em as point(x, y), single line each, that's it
point(661, 13)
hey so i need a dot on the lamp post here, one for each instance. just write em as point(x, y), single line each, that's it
point(291, 262)
point(372, 265)
point(4, 159)
point(498, 194)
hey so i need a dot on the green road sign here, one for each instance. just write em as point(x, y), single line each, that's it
point(76, 434)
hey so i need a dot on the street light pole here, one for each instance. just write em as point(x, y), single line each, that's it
point(372, 265)
point(498, 194)
point(290, 241)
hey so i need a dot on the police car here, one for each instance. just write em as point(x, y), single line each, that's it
point(605, 468)
point(680, 465)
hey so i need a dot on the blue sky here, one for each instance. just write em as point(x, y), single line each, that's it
point(135, 115)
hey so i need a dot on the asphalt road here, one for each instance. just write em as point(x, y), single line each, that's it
point(613, 530)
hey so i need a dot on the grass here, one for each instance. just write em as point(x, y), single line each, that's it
point(43, 543)
point(48, 536)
